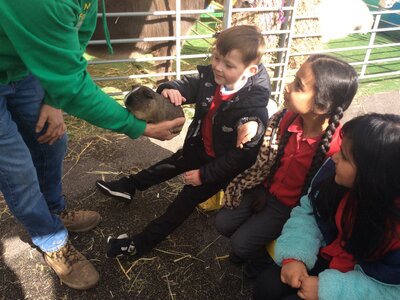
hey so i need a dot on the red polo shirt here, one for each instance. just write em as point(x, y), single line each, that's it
point(339, 258)
point(207, 123)
point(289, 178)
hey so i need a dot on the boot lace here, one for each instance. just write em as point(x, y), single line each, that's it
point(67, 215)
point(67, 255)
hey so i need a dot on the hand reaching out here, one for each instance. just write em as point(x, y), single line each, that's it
point(163, 130)
point(174, 96)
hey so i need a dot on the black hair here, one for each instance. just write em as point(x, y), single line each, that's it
point(336, 84)
point(375, 147)
point(371, 208)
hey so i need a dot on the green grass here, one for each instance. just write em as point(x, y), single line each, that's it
point(367, 86)
point(205, 26)
point(371, 85)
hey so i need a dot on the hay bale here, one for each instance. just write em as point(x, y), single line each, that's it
point(266, 21)
point(306, 26)
point(272, 21)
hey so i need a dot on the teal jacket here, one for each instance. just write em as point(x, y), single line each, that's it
point(48, 38)
point(302, 239)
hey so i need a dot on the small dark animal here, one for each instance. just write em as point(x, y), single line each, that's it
point(152, 107)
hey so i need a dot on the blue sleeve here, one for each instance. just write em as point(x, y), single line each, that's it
point(301, 238)
point(354, 285)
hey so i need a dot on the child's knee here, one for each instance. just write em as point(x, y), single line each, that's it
point(223, 224)
point(241, 248)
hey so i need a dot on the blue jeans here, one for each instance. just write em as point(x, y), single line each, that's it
point(30, 172)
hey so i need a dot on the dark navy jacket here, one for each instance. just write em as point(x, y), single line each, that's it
point(249, 103)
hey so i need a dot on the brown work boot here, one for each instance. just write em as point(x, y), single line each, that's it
point(81, 220)
point(72, 267)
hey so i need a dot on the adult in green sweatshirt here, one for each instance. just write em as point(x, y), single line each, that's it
point(42, 71)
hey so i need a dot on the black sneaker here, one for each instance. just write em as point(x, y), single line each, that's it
point(122, 189)
point(122, 245)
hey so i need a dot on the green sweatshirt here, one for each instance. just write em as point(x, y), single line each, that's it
point(48, 38)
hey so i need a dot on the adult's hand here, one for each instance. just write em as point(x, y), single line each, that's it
point(55, 124)
point(164, 130)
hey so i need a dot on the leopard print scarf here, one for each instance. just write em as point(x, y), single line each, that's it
point(257, 173)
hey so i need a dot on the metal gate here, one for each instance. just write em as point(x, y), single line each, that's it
point(279, 69)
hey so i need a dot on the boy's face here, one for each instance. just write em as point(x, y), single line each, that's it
point(229, 70)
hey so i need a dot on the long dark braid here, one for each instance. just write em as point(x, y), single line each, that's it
point(335, 87)
point(323, 148)
point(336, 84)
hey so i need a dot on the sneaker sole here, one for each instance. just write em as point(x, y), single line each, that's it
point(117, 195)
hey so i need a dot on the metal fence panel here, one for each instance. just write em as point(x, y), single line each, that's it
point(280, 71)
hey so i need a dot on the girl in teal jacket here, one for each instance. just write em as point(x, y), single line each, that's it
point(343, 241)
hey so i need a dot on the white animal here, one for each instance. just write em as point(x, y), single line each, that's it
point(339, 17)
point(387, 3)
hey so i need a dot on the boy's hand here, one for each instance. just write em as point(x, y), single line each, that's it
point(246, 132)
point(174, 96)
point(192, 177)
point(163, 131)
point(292, 273)
point(309, 288)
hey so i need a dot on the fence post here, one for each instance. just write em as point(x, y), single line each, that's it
point(178, 39)
point(289, 39)
point(371, 43)
point(227, 21)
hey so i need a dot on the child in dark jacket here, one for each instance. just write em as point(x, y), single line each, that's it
point(343, 241)
point(297, 142)
point(233, 90)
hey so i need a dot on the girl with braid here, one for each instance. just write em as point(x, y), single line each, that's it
point(343, 240)
point(296, 143)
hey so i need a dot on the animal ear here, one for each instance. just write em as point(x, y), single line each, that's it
point(148, 93)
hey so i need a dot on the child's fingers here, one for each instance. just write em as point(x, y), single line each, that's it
point(283, 279)
point(173, 95)
point(301, 294)
point(165, 93)
point(296, 284)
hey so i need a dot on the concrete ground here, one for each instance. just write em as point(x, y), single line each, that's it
point(191, 264)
